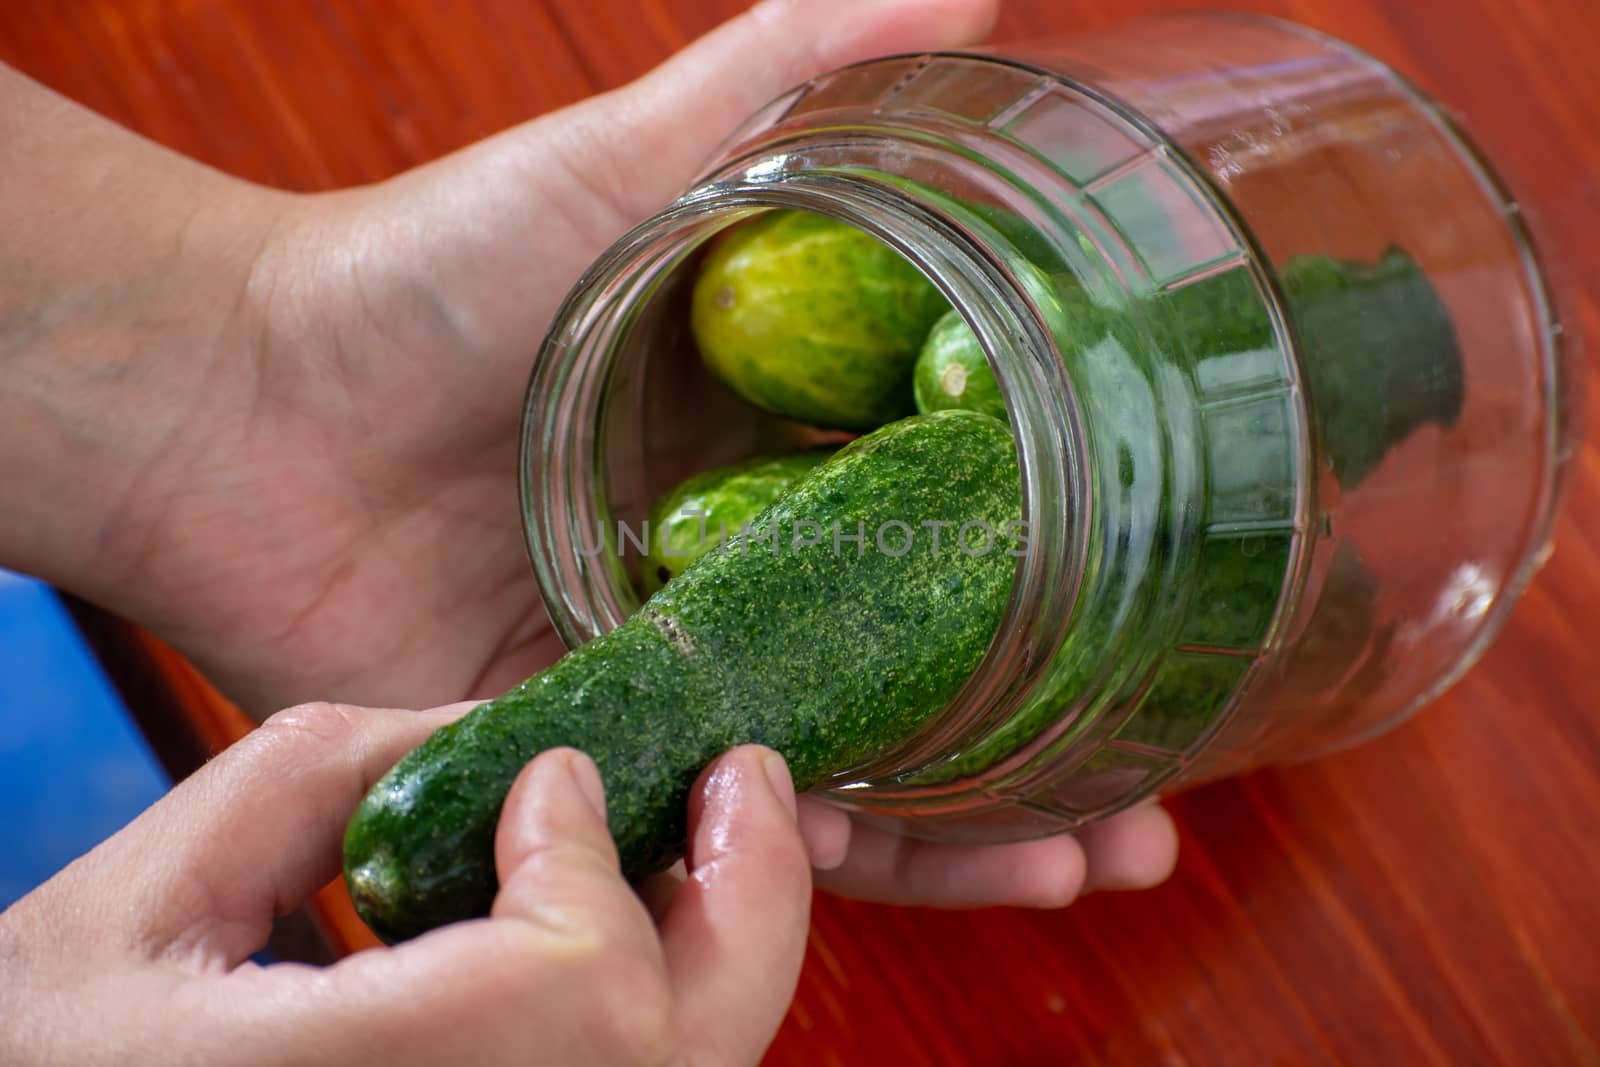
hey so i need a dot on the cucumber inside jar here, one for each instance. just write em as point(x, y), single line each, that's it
point(811, 319)
point(1382, 357)
point(1381, 360)
point(706, 509)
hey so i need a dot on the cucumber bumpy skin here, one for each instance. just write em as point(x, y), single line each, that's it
point(827, 656)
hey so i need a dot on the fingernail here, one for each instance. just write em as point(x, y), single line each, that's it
point(587, 778)
point(778, 776)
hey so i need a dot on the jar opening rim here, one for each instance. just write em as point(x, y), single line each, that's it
point(560, 490)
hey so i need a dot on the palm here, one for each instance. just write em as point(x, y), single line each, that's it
point(356, 535)
point(348, 528)
point(371, 549)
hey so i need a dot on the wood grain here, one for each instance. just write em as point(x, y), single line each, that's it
point(1429, 898)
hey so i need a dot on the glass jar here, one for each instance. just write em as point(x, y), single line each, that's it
point(1281, 485)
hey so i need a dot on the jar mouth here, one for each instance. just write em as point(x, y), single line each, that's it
point(564, 506)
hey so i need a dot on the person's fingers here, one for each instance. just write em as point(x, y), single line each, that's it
point(746, 62)
point(735, 932)
point(1135, 849)
point(885, 866)
point(567, 969)
point(658, 890)
point(255, 831)
point(558, 865)
point(826, 830)
point(679, 113)
point(508, 224)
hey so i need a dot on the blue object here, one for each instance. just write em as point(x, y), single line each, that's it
point(74, 768)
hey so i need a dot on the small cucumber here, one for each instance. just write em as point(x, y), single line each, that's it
point(793, 635)
point(705, 510)
point(953, 372)
point(812, 319)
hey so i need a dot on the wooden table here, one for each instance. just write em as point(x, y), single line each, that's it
point(1432, 898)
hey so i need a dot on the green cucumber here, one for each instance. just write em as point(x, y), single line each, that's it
point(952, 371)
point(812, 319)
point(1381, 361)
point(1381, 355)
point(703, 511)
point(828, 653)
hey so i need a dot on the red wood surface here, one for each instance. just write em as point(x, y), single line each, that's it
point(1430, 898)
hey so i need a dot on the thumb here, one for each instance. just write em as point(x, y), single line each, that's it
point(677, 115)
point(507, 225)
point(626, 153)
point(201, 874)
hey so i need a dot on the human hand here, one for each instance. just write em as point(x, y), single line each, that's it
point(316, 498)
point(140, 951)
point(338, 518)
